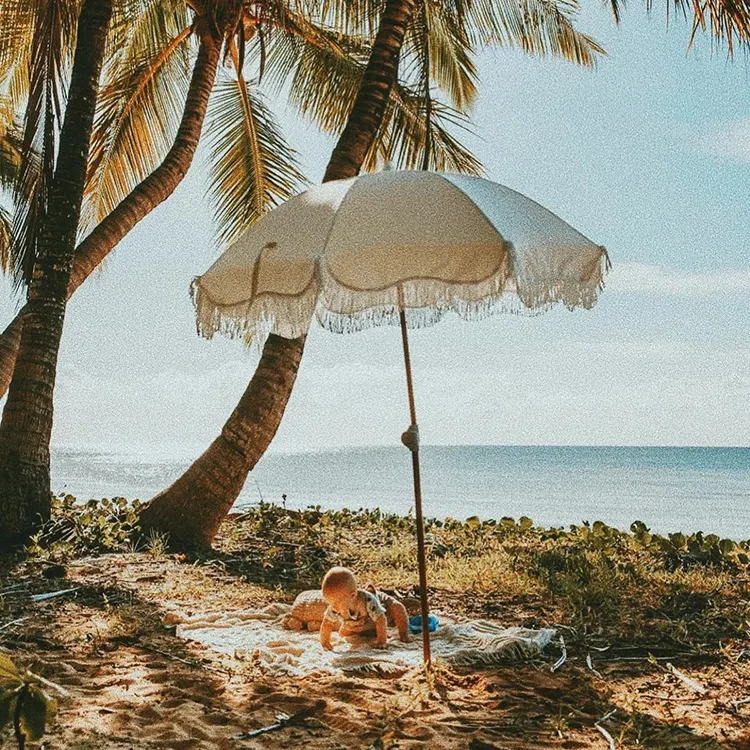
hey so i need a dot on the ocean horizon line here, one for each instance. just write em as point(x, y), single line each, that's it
point(185, 451)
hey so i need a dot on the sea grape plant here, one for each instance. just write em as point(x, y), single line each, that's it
point(24, 702)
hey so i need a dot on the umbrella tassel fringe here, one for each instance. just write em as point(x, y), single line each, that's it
point(425, 302)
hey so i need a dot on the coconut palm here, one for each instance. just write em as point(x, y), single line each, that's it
point(436, 44)
point(441, 39)
point(116, 151)
point(26, 425)
point(135, 166)
point(252, 165)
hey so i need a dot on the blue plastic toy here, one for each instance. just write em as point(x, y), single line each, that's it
point(415, 623)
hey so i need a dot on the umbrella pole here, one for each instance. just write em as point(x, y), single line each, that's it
point(411, 440)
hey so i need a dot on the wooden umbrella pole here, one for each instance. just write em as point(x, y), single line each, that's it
point(411, 440)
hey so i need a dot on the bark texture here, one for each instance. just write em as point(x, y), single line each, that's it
point(193, 508)
point(143, 199)
point(26, 425)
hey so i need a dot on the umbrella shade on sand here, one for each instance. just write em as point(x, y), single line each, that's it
point(402, 248)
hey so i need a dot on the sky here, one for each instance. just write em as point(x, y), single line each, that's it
point(648, 155)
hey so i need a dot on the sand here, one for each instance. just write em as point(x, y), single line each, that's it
point(133, 684)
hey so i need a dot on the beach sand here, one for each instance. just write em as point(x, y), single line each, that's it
point(134, 685)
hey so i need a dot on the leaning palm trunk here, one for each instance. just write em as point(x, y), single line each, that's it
point(26, 426)
point(143, 199)
point(193, 508)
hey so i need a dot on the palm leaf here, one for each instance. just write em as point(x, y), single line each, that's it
point(52, 42)
point(10, 164)
point(320, 74)
point(539, 27)
point(11, 156)
point(728, 21)
point(405, 133)
point(438, 47)
point(252, 168)
point(139, 107)
point(325, 73)
point(5, 241)
point(16, 33)
point(351, 17)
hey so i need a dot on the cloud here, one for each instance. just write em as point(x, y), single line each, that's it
point(729, 140)
point(652, 279)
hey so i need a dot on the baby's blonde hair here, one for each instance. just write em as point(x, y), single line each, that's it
point(337, 578)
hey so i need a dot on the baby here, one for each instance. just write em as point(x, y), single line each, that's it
point(354, 609)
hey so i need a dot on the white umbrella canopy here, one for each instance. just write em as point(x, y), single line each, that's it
point(354, 253)
point(402, 248)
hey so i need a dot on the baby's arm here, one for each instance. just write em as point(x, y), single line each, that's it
point(382, 633)
point(326, 628)
point(401, 618)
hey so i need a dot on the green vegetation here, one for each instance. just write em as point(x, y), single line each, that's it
point(76, 529)
point(635, 585)
point(23, 702)
point(639, 612)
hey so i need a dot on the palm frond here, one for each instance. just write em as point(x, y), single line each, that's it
point(437, 47)
point(451, 56)
point(6, 236)
point(539, 27)
point(616, 6)
point(351, 17)
point(15, 87)
point(11, 161)
point(320, 73)
point(16, 32)
point(727, 21)
point(323, 74)
point(52, 44)
point(139, 108)
point(252, 167)
point(405, 134)
point(11, 155)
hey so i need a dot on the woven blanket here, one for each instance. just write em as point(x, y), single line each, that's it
point(258, 635)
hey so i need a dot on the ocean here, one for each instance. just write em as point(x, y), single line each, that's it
point(669, 489)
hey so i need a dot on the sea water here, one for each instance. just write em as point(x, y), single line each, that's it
point(670, 489)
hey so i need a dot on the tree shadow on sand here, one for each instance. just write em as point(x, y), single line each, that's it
point(135, 684)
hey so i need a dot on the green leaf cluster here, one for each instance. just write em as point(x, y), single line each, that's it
point(23, 701)
point(76, 529)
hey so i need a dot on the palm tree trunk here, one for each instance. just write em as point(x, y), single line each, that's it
point(26, 425)
point(192, 509)
point(143, 199)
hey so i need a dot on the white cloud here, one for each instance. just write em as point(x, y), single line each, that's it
point(729, 140)
point(653, 279)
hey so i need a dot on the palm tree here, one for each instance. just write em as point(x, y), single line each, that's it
point(135, 166)
point(26, 425)
point(192, 509)
point(441, 37)
point(138, 89)
point(116, 143)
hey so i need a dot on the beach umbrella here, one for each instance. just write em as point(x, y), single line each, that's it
point(402, 248)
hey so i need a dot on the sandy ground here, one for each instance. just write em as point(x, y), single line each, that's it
point(134, 684)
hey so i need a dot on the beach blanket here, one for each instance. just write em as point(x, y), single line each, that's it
point(257, 635)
